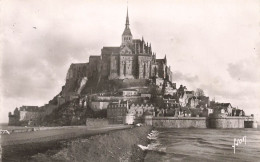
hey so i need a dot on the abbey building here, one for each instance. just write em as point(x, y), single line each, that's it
point(133, 59)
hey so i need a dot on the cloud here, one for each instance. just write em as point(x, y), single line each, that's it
point(37, 64)
point(210, 47)
point(178, 76)
point(247, 70)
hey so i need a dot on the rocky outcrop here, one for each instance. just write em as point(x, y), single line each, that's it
point(74, 77)
point(82, 84)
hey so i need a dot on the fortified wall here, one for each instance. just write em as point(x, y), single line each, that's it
point(227, 122)
point(177, 122)
point(200, 122)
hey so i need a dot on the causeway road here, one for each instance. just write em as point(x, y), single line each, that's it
point(62, 133)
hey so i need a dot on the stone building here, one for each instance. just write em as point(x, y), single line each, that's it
point(133, 59)
point(169, 88)
point(116, 112)
point(129, 92)
point(222, 108)
point(25, 115)
point(206, 112)
point(170, 103)
point(138, 109)
point(237, 112)
point(99, 105)
point(193, 102)
point(184, 97)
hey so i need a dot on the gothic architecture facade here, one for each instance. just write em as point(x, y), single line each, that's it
point(133, 59)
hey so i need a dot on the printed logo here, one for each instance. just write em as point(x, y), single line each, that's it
point(238, 141)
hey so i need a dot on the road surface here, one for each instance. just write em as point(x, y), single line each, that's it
point(55, 134)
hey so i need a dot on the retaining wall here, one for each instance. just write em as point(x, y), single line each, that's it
point(226, 122)
point(200, 122)
point(177, 122)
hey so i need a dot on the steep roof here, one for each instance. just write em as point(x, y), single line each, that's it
point(225, 105)
point(160, 60)
point(110, 50)
point(127, 31)
point(140, 103)
point(117, 104)
point(138, 41)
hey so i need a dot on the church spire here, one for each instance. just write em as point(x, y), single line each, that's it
point(127, 19)
point(127, 30)
point(127, 35)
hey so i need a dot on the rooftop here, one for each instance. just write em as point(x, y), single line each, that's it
point(110, 50)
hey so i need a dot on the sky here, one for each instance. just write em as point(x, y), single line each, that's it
point(212, 45)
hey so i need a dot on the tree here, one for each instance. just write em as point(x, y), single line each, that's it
point(199, 92)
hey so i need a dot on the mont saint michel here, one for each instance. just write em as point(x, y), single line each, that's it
point(135, 81)
point(127, 84)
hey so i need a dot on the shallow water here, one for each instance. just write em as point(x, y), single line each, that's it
point(204, 145)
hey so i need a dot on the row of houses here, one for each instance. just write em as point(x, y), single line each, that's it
point(184, 112)
point(100, 102)
point(224, 109)
point(125, 112)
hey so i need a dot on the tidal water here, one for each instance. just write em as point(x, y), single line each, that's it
point(204, 145)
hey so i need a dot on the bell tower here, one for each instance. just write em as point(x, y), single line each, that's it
point(127, 35)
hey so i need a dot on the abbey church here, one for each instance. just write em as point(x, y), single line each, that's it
point(133, 59)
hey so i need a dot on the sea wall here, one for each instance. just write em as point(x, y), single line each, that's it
point(201, 122)
point(177, 122)
point(250, 124)
point(226, 122)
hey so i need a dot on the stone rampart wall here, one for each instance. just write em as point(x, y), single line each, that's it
point(178, 122)
point(199, 122)
point(227, 122)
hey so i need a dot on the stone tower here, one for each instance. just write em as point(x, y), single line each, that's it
point(127, 35)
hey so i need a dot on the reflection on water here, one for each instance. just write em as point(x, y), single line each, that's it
point(205, 145)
